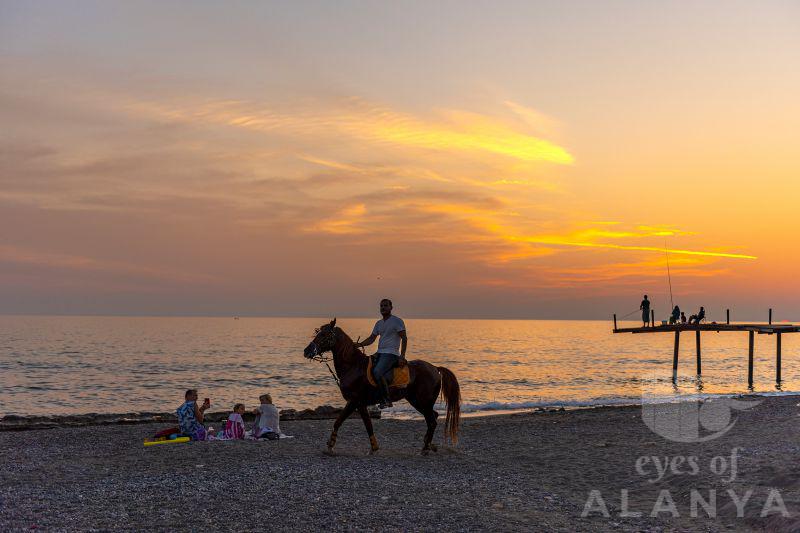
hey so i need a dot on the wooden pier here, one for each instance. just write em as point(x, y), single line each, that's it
point(751, 329)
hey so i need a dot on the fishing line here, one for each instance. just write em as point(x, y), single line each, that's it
point(669, 277)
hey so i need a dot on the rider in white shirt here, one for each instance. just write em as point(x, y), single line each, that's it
point(391, 347)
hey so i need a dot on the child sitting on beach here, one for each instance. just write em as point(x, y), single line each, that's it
point(234, 426)
point(190, 416)
point(267, 419)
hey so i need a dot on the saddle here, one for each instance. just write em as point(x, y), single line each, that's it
point(401, 376)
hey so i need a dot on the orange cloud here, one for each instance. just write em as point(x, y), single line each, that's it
point(344, 222)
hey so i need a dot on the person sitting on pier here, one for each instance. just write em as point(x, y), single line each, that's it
point(645, 307)
point(699, 317)
point(683, 317)
point(676, 314)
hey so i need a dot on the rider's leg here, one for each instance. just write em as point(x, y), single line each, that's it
point(384, 387)
point(381, 372)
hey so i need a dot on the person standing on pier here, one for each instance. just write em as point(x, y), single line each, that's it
point(645, 307)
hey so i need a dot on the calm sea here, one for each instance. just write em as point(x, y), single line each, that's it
point(76, 365)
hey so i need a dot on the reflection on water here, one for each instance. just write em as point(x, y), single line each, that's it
point(67, 365)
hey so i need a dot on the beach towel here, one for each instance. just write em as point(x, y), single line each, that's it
point(167, 432)
point(234, 428)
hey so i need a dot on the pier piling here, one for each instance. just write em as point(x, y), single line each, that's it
point(675, 356)
point(750, 360)
point(727, 316)
point(770, 315)
point(778, 358)
point(697, 343)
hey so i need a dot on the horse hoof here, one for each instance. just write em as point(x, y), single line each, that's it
point(329, 451)
point(373, 451)
point(433, 447)
point(424, 451)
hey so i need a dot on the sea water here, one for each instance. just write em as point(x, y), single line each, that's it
point(53, 365)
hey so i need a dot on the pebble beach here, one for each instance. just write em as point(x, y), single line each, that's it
point(508, 472)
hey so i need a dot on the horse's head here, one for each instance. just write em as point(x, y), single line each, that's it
point(324, 340)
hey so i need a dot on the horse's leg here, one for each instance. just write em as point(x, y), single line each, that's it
point(347, 411)
point(430, 418)
point(373, 442)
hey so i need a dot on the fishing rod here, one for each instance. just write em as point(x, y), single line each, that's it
point(669, 276)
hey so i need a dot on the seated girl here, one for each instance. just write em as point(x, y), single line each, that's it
point(190, 416)
point(267, 419)
point(234, 426)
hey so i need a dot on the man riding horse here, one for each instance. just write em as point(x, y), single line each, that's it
point(391, 348)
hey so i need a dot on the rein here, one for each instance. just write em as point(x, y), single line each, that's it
point(322, 359)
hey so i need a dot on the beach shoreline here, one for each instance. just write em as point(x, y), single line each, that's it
point(524, 470)
point(17, 422)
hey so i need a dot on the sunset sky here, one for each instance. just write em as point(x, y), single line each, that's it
point(523, 159)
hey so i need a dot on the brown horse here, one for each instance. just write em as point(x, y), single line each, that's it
point(426, 382)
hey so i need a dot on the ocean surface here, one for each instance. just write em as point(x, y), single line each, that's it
point(77, 365)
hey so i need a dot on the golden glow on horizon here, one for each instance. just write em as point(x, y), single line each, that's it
point(555, 241)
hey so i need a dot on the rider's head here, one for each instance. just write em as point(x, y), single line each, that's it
point(386, 307)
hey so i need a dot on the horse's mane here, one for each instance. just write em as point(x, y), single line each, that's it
point(344, 337)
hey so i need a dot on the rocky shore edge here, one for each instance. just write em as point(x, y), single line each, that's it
point(32, 422)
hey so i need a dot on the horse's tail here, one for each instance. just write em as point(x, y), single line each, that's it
point(451, 392)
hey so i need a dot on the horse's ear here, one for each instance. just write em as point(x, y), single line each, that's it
point(333, 322)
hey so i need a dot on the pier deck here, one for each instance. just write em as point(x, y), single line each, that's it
point(767, 329)
point(751, 329)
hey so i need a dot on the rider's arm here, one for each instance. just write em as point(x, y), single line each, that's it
point(403, 343)
point(366, 342)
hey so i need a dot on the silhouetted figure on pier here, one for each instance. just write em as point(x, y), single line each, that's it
point(645, 307)
point(683, 317)
point(699, 317)
point(676, 315)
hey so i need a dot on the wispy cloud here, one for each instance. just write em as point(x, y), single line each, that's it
point(250, 185)
point(59, 261)
point(451, 130)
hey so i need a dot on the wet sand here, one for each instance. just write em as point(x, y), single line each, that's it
point(532, 471)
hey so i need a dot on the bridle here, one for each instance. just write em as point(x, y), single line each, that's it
point(321, 357)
